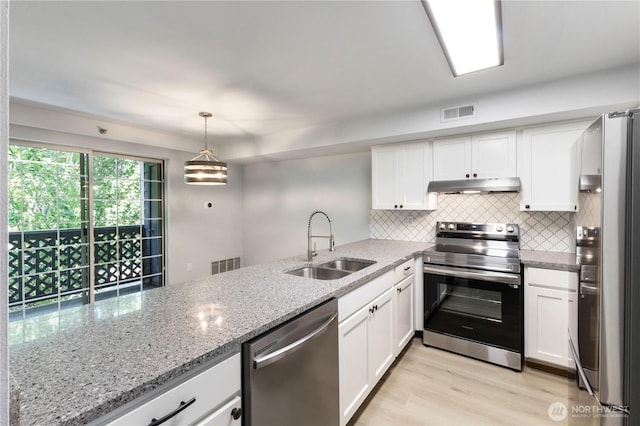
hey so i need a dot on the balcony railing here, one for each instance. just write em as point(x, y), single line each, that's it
point(52, 263)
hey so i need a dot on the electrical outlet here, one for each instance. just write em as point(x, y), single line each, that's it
point(208, 204)
point(189, 267)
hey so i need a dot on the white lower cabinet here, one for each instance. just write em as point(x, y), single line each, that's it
point(211, 397)
point(366, 351)
point(551, 313)
point(404, 306)
point(353, 335)
point(227, 415)
point(380, 334)
point(376, 322)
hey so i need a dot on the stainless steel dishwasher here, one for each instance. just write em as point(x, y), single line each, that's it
point(290, 373)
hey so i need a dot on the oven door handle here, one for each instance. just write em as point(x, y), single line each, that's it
point(498, 277)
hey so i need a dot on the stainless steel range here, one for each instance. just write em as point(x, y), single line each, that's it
point(473, 292)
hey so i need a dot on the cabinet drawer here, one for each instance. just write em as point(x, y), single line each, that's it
point(404, 270)
point(211, 388)
point(550, 278)
point(352, 302)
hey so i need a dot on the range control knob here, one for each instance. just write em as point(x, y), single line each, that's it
point(452, 227)
point(510, 228)
point(442, 226)
point(499, 228)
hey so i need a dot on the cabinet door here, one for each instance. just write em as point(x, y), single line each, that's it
point(400, 177)
point(452, 158)
point(385, 177)
point(493, 155)
point(416, 168)
point(591, 149)
point(354, 366)
point(225, 415)
point(551, 313)
point(548, 167)
point(404, 331)
point(381, 330)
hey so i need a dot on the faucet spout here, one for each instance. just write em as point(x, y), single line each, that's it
point(311, 253)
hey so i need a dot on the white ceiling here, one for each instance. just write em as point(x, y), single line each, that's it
point(267, 67)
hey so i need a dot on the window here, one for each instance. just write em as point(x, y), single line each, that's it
point(83, 226)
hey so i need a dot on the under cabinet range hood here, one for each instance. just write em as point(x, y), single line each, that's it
point(475, 186)
point(590, 183)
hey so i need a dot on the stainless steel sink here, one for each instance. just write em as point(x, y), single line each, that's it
point(332, 270)
point(350, 265)
point(319, 273)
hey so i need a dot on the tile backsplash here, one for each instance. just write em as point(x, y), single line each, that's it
point(545, 231)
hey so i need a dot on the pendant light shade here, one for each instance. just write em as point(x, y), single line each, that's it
point(205, 169)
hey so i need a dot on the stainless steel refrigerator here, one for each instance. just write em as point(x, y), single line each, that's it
point(613, 334)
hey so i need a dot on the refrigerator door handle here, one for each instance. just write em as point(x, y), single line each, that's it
point(587, 289)
point(576, 358)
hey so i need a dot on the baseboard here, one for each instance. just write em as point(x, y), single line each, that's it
point(553, 369)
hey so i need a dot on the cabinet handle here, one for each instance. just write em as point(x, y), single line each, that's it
point(526, 206)
point(400, 205)
point(236, 413)
point(375, 307)
point(407, 268)
point(475, 175)
point(395, 206)
point(467, 175)
point(183, 406)
point(371, 310)
point(399, 290)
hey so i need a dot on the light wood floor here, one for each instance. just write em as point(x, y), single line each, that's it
point(428, 386)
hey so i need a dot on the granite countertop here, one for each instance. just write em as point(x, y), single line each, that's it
point(550, 260)
point(76, 365)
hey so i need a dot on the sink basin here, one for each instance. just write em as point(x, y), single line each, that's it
point(319, 273)
point(350, 265)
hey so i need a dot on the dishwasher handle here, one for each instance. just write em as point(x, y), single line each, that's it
point(281, 353)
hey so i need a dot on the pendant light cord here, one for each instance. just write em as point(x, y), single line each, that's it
point(206, 146)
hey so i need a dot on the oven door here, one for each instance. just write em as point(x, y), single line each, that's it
point(481, 306)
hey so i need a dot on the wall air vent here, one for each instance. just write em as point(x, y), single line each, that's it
point(458, 112)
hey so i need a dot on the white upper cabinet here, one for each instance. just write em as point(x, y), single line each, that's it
point(494, 155)
point(591, 150)
point(486, 155)
point(549, 167)
point(385, 177)
point(400, 176)
point(452, 158)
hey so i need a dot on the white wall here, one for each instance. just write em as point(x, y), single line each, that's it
point(200, 235)
point(195, 235)
point(279, 196)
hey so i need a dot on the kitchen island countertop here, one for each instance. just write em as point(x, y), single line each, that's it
point(75, 365)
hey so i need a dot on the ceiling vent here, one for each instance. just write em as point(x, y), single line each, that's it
point(458, 112)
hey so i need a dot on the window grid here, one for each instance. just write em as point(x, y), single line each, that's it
point(49, 252)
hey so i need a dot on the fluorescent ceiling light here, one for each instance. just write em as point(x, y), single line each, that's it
point(469, 31)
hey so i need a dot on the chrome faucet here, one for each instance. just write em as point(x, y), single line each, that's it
point(332, 244)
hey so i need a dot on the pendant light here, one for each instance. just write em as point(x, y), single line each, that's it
point(205, 169)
